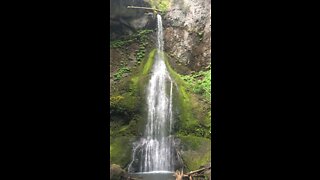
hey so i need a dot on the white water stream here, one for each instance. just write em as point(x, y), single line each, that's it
point(156, 147)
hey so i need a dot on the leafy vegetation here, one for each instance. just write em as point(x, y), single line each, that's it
point(139, 36)
point(114, 101)
point(193, 115)
point(198, 130)
point(118, 75)
point(143, 43)
point(120, 42)
point(140, 53)
point(162, 5)
point(199, 83)
point(127, 106)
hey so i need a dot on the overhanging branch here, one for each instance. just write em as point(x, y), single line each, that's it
point(145, 8)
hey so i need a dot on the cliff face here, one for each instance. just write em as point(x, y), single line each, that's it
point(124, 21)
point(188, 33)
point(187, 41)
point(187, 29)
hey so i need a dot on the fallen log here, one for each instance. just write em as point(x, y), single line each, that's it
point(197, 173)
point(199, 170)
point(146, 8)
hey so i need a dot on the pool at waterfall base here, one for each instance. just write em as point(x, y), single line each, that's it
point(154, 175)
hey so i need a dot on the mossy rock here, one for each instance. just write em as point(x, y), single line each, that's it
point(140, 78)
point(120, 150)
point(116, 172)
point(128, 109)
point(193, 124)
point(193, 114)
point(124, 104)
point(130, 92)
point(195, 151)
point(193, 117)
point(131, 128)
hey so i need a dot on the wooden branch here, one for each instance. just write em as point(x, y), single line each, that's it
point(146, 8)
point(193, 172)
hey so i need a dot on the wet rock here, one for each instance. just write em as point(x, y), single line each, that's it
point(195, 151)
point(124, 21)
point(117, 173)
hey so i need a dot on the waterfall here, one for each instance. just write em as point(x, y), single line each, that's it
point(156, 147)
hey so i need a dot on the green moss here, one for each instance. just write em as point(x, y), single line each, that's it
point(196, 151)
point(129, 102)
point(128, 99)
point(125, 104)
point(128, 129)
point(122, 134)
point(186, 119)
point(193, 114)
point(194, 124)
point(138, 80)
point(149, 62)
point(134, 84)
point(120, 150)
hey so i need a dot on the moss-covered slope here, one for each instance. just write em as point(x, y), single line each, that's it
point(192, 113)
point(127, 113)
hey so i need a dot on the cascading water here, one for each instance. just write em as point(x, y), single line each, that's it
point(156, 147)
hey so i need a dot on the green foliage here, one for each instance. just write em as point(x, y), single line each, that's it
point(124, 104)
point(143, 33)
point(118, 75)
point(115, 100)
point(187, 120)
point(139, 36)
point(142, 36)
point(199, 83)
point(192, 117)
point(197, 130)
point(162, 5)
point(119, 43)
point(140, 53)
point(196, 151)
